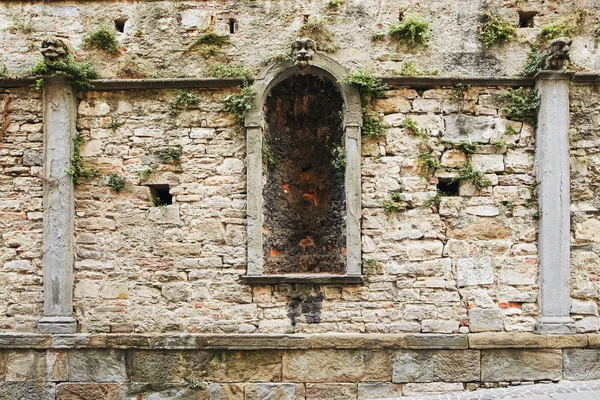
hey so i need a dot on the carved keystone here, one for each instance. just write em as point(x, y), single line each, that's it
point(303, 50)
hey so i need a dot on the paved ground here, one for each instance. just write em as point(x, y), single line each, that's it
point(550, 391)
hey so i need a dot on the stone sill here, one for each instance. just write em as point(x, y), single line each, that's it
point(491, 340)
point(303, 279)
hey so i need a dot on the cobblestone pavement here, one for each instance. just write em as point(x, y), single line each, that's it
point(565, 390)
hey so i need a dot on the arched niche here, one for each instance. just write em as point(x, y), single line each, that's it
point(332, 73)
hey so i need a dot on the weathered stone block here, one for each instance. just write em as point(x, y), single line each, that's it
point(25, 365)
point(414, 389)
point(226, 391)
point(57, 367)
point(378, 390)
point(88, 391)
point(27, 390)
point(97, 366)
point(485, 319)
point(506, 340)
point(581, 364)
point(475, 271)
point(331, 391)
point(237, 366)
point(520, 365)
point(412, 366)
point(157, 366)
point(456, 365)
point(336, 366)
point(274, 391)
point(431, 341)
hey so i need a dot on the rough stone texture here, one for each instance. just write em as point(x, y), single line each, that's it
point(27, 390)
point(520, 365)
point(88, 391)
point(581, 364)
point(379, 390)
point(336, 366)
point(331, 391)
point(97, 366)
point(442, 365)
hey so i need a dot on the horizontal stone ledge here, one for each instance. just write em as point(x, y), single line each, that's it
point(421, 341)
point(424, 82)
point(303, 279)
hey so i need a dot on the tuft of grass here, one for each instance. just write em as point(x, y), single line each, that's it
point(467, 148)
point(409, 69)
point(559, 28)
point(211, 38)
point(334, 4)
point(145, 174)
point(79, 73)
point(510, 130)
point(434, 202)
point(77, 169)
point(523, 106)
point(410, 127)
point(371, 266)
point(114, 124)
point(428, 163)
point(220, 70)
point(393, 206)
point(169, 155)
point(368, 85)
point(317, 30)
point(3, 72)
point(102, 38)
point(468, 173)
point(182, 100)
point(21, 24)
point(377, 36)
point(209, 50)
point(495, 29)
point(116, 182)
point(498, 143)
point(373, 126)
point(413, 28)
point(268, 158)
point(534, 62)
point(239, 104)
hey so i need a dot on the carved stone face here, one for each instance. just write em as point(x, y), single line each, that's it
point(303, 50)
point(54, 49)
point(557, 53)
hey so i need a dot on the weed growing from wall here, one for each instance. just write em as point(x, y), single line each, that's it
point(77, 169)
point(116, 182)
point(102, 38)
point(238, 104)
point(414, 28)
point(169, 155)
point(559, 28)
point(395, 204)
point(3, 72)
point(410, 127)
point(79, 74)
point(211, 38)
point(534, 62)
point(495, 29)
point(114, 124)
point(368, 85)
point(334, 4)
point(373, 125)
point(220, 70)
point(434, 202)
point(182, 100)
point(523, 105)
point(146, 173)
point(468, 173)
point(409, 69)
point(268, 158)
point(467, 148)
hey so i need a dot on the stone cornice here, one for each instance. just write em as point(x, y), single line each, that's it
point(491, 340)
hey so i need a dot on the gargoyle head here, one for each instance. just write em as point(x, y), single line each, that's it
point(557, 53)
point(303, 50)
point(54, 49)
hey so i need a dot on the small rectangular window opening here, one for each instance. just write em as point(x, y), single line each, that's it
point(120, 24)
point(160, 195)
point(448, 187)
point(232, 25)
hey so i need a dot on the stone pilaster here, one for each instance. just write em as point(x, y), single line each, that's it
point(255, 199)
point(353, 201)
point(552, 154)
point(60, 112)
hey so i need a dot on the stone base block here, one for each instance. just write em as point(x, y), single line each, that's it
point(57, 325)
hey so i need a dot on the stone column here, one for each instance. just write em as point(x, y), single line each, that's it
point(254, 199)
point(552, 154)
point(353, 201)
point(60, 107)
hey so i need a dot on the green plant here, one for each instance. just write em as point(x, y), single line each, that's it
point(509, 205)
point(410, 127)
point(523, 105)
point(103, 38)
point(145, 174)
point(368, 85)
point(534, 62)
point(156, 202)
point(509, 130)
point(428, 162)
point(169, 155)
point(38, 84)
point(559, 28)
point(334, 4)
point(468, 173)
point(498, 143)
point(220, 70)
point(373, 126)
point(338, 158)
point(268, 158)
point(393, 206)
point(3, 72)
point(79, 74)
point(377, 36)
point(116, 182)
point(467, 148)
point(371, 266)
point(317, 30)
point(434, 202)
point(494, 29)
point(409, 69)
point(77, 169)
point(239, 104)
point(138, 33)
point(211, 38)
point(21, 24)
point(414, 28)
point(183, 99)
point(114, 124)
point(209, 50)
point(196, 384)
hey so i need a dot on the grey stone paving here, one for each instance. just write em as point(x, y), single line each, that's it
point(565, 390)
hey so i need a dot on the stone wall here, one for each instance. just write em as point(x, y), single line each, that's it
point(20, 209)
point(585, 164)
point(249, 367)
point(157, 34)
point(466, 264)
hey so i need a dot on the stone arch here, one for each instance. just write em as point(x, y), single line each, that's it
point(272, 75)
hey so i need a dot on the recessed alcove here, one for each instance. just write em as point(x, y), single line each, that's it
point(304, 200)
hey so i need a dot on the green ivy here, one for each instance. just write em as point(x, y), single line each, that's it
point(413, 28)
point(77, 169)
point(182, 100)
point(238, 104)
point(494, 29)
point(368, 85)
point(373, 125)
point(79, 74)
point(523, 105)
point(220, 70)
point(534, 62)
